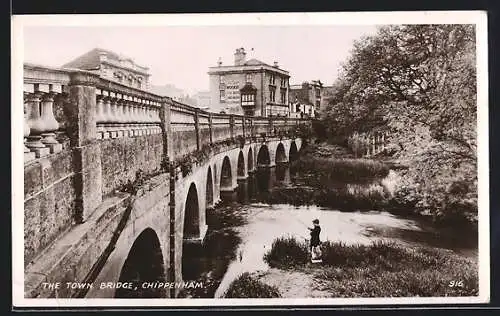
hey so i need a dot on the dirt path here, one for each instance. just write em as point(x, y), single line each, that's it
point(292, 284)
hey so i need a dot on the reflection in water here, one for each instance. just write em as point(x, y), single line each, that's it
point(260, 222)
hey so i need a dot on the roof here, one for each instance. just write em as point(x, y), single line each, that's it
point(91, 60)
point(255, 62)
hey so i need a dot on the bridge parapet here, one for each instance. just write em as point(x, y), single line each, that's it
point(87, 137)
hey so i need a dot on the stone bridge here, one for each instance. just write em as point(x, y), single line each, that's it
point(117, 181)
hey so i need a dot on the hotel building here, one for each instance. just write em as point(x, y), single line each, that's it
point(251, 87)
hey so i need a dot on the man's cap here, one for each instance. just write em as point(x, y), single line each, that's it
point(316, 221)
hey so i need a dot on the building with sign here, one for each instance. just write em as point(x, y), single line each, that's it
point(251, 87)
point(112, 66)
point(306, 99)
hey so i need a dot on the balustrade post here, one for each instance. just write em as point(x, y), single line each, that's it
point(197, 128)
point(81, 111)
point(28, 155)
point(129, 117)
point(210, 129)
point(271, 127)
point(133, 112)
point(231, 126)
point(100, 116)
point(50, 124)
point(120, 113)
point(107, 116)
point(35, 123)
point(252, 131)
point(165, 115)
point(243, 126)
point(113, 116)
point(144, 126)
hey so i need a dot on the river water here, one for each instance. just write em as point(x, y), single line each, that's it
point(242, 229)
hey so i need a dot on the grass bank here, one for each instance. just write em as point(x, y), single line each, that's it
point(333, 163)
point(379, 270)
point(247, 286)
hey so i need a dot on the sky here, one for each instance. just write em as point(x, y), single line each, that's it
point(181, 55)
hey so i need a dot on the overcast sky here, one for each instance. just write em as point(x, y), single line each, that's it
point(181, 55)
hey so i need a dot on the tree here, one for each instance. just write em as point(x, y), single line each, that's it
point(418, 82)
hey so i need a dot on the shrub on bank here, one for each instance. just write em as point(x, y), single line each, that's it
point(345, 198)
point(380, 269)
point(287, 252)
point(245, 286)
point(347, 170)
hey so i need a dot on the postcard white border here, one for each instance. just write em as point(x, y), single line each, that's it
point(479, 18)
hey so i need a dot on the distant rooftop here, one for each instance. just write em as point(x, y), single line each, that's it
point(92, 60)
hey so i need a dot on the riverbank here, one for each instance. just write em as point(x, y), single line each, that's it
point(331, 176)
point(267, 207)
point(422, 262)
point(381, 269)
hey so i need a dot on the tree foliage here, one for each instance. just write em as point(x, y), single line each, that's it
point(419, 83)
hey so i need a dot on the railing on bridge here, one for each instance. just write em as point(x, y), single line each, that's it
point(86, 137)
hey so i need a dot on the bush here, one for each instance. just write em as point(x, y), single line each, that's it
point(245, 286)
point(346, 170)
point(287, 252)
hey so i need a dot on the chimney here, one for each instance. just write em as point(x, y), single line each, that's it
point(103, 56)
point(219, 62)
point(239, 56)
point(276, 64)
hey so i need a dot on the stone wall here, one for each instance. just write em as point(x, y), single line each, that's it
point(122, 158)
point(49, 197)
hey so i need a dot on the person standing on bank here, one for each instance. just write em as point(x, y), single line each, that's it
point(315, 234)
point(315, 242)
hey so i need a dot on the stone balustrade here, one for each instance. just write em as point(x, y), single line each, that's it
point(124, 115)
point(40, 124)
point(120, 111)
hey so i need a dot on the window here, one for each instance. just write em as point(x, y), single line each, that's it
point(222, 96)
point(221, 79)
point(283, 82)
point(272, 79)
point(283, 96)
point(272, 94)
point(247, 99)
point(248, 78)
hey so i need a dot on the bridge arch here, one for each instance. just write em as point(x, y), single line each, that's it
point(226, 179)
point(192, 214)
point(293, 152)
point(144, 263)
point(241, 165)
point(280, 154)
point(263, 158)
point(250, 160)
point(209, 192)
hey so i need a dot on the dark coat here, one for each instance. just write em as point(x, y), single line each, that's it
point(315, 236)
